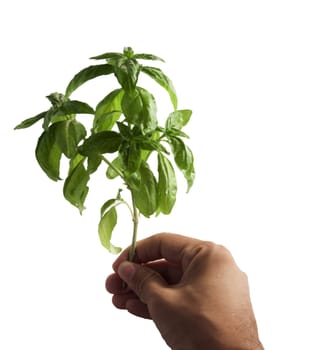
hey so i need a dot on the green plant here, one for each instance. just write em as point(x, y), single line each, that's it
point(124, 136)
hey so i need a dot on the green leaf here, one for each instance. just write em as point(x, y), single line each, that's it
point(107, 224)
point(101, 142)
point(139, 108)
point(128, 52)
point(30, 121)
point(147, 56)
point(75, 188)
point(68, 135)
point(107, 121)
point(94, 160)
point(108, 56)
point(75, 161)
point(167, 185)
point(126, 131)
point(127, 71)
point(48, 154)
point(164, 81)
point(109, 204)
point(134, 157)
point(73, 107)
point(184, 159)
point(56, 99)
point(178, 119)
point(145, 193)
point(150, 145)
point(48, 118)
point(108, 111)
point(87, 74)
point(116, 164)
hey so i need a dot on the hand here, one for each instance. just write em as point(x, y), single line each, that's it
point(192, 290)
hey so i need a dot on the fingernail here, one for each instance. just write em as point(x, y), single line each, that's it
point(126, 270)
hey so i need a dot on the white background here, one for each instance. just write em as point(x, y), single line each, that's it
point(253, 74)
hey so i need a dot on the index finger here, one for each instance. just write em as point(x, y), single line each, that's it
point(175, 248)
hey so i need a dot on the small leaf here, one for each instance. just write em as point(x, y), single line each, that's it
point(139, 108)
point(75, 188)
point(107, 56)
point(101, 142)
point(106, 226)
point(30, 121)
point(48, 154)
point(56, 99)
point(116, 164)
point(150, 145)
point(127, 71)
point(184, 159)
point(178, 119)
point(147, 56)
point(109, 204)
point(87, 74)
point(167, 185)
point(73, 107)
point(128, 52)
point(164, 81)
point(48, 118)
point(125, 130)
point(145, 194)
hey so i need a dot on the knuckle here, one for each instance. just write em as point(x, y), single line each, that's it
point(215, 251)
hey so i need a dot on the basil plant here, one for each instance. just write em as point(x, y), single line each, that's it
point(124, 138)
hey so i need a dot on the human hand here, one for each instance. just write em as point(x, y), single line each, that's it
point(192, 290)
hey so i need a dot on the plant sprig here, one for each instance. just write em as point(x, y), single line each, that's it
point(124, 137)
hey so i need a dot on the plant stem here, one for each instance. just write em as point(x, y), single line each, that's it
point(132, 251)
point(134, 211)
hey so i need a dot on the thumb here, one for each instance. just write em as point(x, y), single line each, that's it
point(143, 281)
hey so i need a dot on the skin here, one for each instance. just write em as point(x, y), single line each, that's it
point(193, 290)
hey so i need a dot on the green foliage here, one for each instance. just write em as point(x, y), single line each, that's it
point(124, 138)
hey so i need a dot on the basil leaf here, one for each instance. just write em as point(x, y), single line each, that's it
point(48, 118)
point(94, 161)
point(134, 157)
point(145, 194)
point(48, 154)
point(178, 119)
point(75, 188)
point(73, 107)
point(167, 185)
point(107, 56)
point(108, 111)
point(126, 71)
point(164, 81)
point(107, 224)
point(30, 121)
point(151, 145)
point(147, 56)
point(75, 161)
point(110, 203)
point(139, 108)
point(68, 135)
point(101, 142)
point(87, 74)
point(184, 160)
point(126, 131)
point(117, 163)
